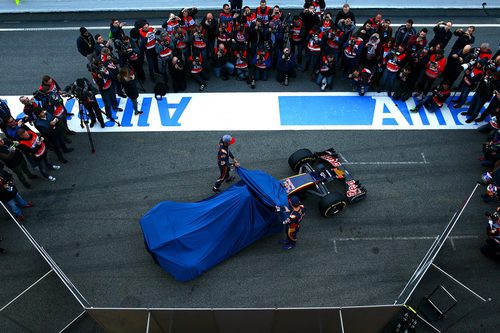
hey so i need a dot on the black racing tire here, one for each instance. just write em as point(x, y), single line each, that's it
point(301, 156)
point(332, 204)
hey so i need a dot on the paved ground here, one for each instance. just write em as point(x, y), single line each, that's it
point(88, 219)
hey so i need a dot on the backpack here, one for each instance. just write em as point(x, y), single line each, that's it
point(160, 90)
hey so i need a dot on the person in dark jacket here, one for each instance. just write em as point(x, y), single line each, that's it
point(129, 84)
point(4, 114)
point(33, 146)
point(52, 130)
point(11, 197)
point(210, 26)
point(487, 87)
point(464, 38)
point(295, 216)
point(345, 13)
point(286, 66)
point(470, 81)
point(404, 84)
point(116, 30)
point(436, 100)
point(86, 44)
point(404, 32)
point(325, 72)
point(13, 158)
point(223, 156)
point(454, 63)
point(85, 93)
point(442, 34)
point(178, 72)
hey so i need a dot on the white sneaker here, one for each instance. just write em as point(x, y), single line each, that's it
point(56, 167)
point(51, 179)
point(323, 84)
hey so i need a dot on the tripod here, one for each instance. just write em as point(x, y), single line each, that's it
point(84, 119)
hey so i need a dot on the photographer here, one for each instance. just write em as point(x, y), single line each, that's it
point(325, 72)
point(436, 100)
point(100, 44)
point(128, 49)
point(309, 17)
point(13, 158)
point(164, 48)
point(333, 42)
point(171, 23)
point(11, 197)
point(188, 18)
point(464, 38)
point(180, 40)
point(197, 70)
point(433, 69)
point(297, 38)
point(456, 59)
point(353, 49)
point(116, 30)
point(178, 72)
point(111, 63)
point(286, 67)
point(263, 13)
point(50, 95)
point(127, 79)
point(395, 61)
point(33, 146)
point(147, 42)
point(221, 66)
point(314, 47)
point(261, 63)
point(85, 94)
point(470, 81)
point(403, 86)
point(12, 126)
point(31, 107)
point(361, 80)
point(488, 86)
point(51, 129)
point(442, 34)
point(102, 78)
point(241, 65)
point(199, 41)
point(209, 25)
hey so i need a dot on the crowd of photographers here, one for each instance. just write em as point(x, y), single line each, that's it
point(248, 45)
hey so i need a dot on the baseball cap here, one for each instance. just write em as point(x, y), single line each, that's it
point(228, 139)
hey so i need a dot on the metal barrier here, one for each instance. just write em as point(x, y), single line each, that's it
point(280, 320)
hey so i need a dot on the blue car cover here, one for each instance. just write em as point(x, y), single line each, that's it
point(187, 239)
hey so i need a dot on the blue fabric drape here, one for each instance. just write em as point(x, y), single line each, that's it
point(187, 239)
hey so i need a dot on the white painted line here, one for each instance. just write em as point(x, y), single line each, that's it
point(452, 244)
point(460, 283)
point(385, 163)
point(335, 246)
point(423, 157)
point(74, 28)
point(399, 238)
point(342, 157)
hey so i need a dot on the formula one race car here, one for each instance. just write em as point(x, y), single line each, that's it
point(314, 171)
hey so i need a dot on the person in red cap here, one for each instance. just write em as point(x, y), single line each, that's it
point(223, 156)
point(296, 214)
